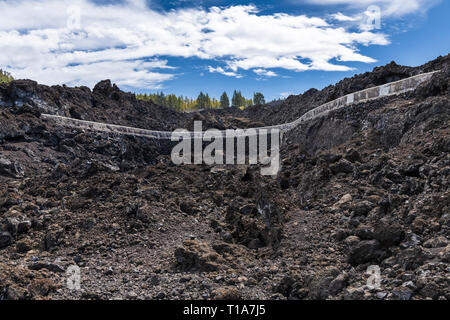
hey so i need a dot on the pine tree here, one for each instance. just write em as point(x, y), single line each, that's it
point(215, 103)
point(224, 100)
point(160, 99)
point(208, 103)
point(172, 101)
point(202, 101)
point(239, 100)
point(236, 101)
point(258, 98)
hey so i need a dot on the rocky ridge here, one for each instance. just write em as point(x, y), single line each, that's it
point(366, 185)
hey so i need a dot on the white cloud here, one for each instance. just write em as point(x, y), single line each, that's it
point(342, 17)
point(225, 73)
point(389, 7)
point(126, 42)
point(265, 73)
point(130, 73)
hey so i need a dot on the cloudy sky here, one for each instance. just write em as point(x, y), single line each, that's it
point(277, 47)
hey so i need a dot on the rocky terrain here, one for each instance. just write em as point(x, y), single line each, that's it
point(366, 185)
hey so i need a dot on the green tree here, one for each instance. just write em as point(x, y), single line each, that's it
point(204, 101)
point(258, 98)
point(159, 99)
point(181, 103)
point(224, 100)
point(172, 101)
point(201, 100)
point(5, 77)
point(208, 102)
point(215, 103)
point(238, 100)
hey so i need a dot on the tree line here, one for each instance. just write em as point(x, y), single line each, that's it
point(203, 101)
point(5, 77)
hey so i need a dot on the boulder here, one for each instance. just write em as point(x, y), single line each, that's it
point(362, 208)
point(343, 166)
point(388, 234)
point(197, 256)
point(10, 168)
point(5, 239)
point(437, 242)
point(366, 251)
point(188, 207)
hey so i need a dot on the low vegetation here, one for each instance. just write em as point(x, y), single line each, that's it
point(203, 101)
point(5, 77)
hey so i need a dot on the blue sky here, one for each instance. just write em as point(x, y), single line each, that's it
point(183, 46)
